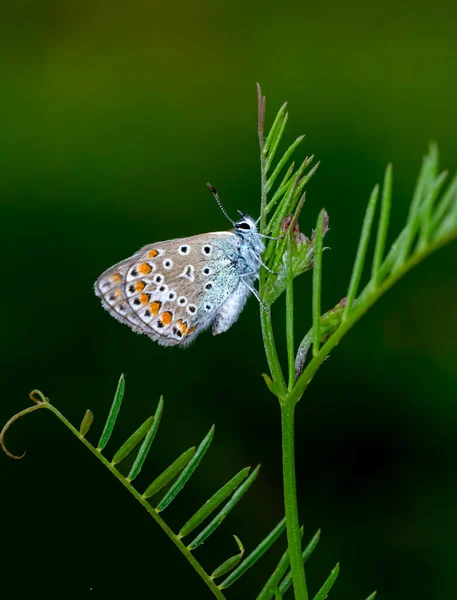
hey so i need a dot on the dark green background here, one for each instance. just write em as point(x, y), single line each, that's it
point(113, 118)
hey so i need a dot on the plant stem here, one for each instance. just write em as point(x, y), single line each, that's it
point(271, 353)
point(290, 315)
point(290, 501)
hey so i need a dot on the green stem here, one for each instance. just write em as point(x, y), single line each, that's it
point(290, 315)
point(271, 353)
point(290, 501)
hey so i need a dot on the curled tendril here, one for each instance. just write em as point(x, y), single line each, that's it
point(41, 402)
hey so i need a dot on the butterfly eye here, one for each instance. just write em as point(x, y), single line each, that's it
point(244, 226)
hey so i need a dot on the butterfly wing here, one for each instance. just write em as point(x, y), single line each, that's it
point(171, 291)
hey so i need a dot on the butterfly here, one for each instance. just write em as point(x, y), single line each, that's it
point(174, 290)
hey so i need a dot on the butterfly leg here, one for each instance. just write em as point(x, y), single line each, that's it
point(253, 291)
point(259, 260)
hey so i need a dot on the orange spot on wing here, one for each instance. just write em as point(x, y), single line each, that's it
point(144, 268)
point(139, 286)
point(166, 318)
point(118, 292)
point(155, 307)
point(182, 326)
point(116, 278)
point(144, 298)
point(152, 253)
point(191, 330)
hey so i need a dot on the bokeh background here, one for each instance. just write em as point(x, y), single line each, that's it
point(113, 118)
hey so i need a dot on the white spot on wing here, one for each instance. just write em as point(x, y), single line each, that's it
point(188, 273)
point(184, 249)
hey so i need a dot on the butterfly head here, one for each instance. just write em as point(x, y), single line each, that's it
point(245, 226)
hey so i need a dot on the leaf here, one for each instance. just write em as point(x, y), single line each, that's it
point(322, 593)
point(213, 502)
point(147, 443)
point(382, 226)
point(427, 210)
point(255, 554)
point(275, 143)
point(132, 441)
point(361, 252)
point(114, 411)
point(275, 128)
point(86, 423)
point(271, 585)
point(270, 384)
point(445, 204)
point(222, 514)
point(170, 473)
point(282, 162)
point(187, 472)
point(372, 596)
point(230, 563)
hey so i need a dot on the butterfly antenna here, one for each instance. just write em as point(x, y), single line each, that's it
point(216, 197)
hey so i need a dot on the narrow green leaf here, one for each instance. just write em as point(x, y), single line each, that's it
point(449, 224)
point(280, 213)
point(297, 212)
point(372, 596)
point(317, 282)
point(322, 593)
point(132, 441)
point(170, 472)
point(287, 154)
point(406, 241)
point(289, 202)
point(147, 442)
point(429, 164)
point(270, 384)
point(114, 411)
point(255, 554)
point(86, 423)
point(275, 143)
point(445, 203)
point(213, 502)
point(271, 585)
point(423, 184)
point(427, 210)
point(290, 207)
point(226, 566)
point(361, 252)
point(382, 226)
point(230, 563)
point(283, 189)
point(187, 473)
point(290, 311)
point(287, 581)
point(222, 514)
point(278, 595)
point(274, 128)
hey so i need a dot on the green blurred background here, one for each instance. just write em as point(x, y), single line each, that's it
point(114, 117)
